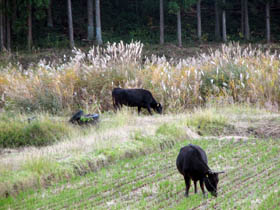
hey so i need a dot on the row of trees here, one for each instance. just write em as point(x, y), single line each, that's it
point(18, 17)
point(220, 17)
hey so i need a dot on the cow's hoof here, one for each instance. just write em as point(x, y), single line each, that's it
point(205, 195)
point(186, 195)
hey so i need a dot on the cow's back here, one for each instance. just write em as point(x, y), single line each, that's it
point(189, 160)
point(132, 97)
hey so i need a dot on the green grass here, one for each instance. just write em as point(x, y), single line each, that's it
point(88, 149)
point(271, 202)
point(153, 182)
point(17, 131)
point(209, 122)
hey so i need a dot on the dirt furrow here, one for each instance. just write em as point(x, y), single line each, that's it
point(132, 190)
point(90, 185)
point(113, 192)
point(152, 172)
point(223, 193)
point(125, 198)
point(248, 193)
point(134, 198)
point(135, 201)
point(222, 184)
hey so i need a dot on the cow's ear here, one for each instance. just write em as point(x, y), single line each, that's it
point(210, 172)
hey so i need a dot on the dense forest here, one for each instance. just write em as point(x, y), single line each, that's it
point(28, 24)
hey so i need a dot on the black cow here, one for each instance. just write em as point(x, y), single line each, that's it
point(135, 98)
point(192, 164)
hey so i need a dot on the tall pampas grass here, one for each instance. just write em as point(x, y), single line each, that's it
point(85, 81)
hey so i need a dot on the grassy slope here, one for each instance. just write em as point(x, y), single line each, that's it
point(117, 136)
point(151, 180)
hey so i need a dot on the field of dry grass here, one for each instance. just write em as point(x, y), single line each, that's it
point(231, 74)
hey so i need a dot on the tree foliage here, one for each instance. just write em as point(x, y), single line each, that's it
point(175, 5)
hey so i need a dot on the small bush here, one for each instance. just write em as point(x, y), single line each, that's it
point(169, 130)
point(42, 132)
point(209, 123)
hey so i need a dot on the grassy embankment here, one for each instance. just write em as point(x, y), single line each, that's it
point(152, 181)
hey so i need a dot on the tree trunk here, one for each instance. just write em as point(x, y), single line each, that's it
point(179, 28)
point(242, 18)
point(224, 24)
point(14, 15)
point(8, 29)
point(50, 19)
point(4, 21)
point(198, 12)
point(217, 22)
point(98, 22)
point(247, 28)
point(70, 24)
point(267, 12)
point(29, 37)
point(90, 30)
point(161, 17)
point(136, 11)
point(1, 28)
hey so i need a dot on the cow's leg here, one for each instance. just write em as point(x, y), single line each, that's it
point(195, 187)
point(115, 107)
point(188, 185)
point(202, 187)
point(139, 110)
point(119, 105)
point(149, 110)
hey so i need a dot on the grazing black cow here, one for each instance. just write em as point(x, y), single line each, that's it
point(135, 98)
point(192, 164)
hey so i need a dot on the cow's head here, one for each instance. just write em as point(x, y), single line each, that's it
point(158, 108)
point(211, 182)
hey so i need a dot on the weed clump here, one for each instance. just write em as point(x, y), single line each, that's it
point(170, 130)
point(209, 123)
point(40, 132)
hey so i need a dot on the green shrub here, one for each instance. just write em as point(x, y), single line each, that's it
point(41, 132)
point(169, 130)
point(208, 122)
